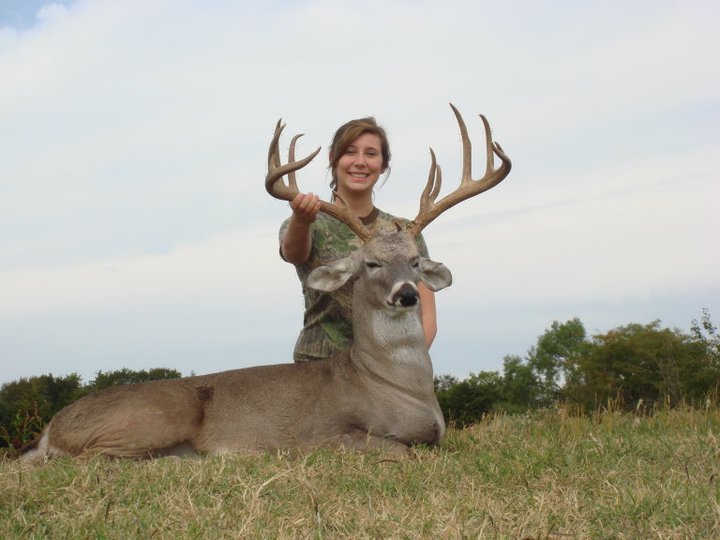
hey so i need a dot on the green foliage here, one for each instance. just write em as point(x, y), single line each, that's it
point(644, 362)
point(626, 366)
point(467, 401)
point(21, 430)
point(128, 376)
point(443, 382)
point(29, 403)
point(707, 333)
point(45, 393)
point(553, 359)
point(520, 388)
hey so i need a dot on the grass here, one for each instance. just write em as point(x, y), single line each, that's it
point(543, 476)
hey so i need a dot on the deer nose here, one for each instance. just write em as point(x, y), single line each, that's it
point(406, 296)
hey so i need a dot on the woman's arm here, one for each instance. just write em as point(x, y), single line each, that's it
point(428, 313)
point(297, 242)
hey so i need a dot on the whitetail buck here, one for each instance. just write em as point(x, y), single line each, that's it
point(377, 394)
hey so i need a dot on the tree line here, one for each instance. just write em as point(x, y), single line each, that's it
point(630, 366)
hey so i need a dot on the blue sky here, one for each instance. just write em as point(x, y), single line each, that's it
point(135, 231)
point(23, 14)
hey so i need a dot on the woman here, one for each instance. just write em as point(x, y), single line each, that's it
point(359, 154)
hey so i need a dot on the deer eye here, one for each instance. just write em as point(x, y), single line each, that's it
point(371, 264)
point(415, 264)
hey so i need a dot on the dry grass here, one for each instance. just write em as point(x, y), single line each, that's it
point(548, 475)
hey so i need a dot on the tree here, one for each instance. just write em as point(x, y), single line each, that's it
point(519, 386)
point(706, 332)
point(627, 364)
point(128, 376)
point(554, 359)
point(467, 401)
point(645, 362)
point(444, 382)
point(30, 402)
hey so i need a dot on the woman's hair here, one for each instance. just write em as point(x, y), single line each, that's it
point(344, 137)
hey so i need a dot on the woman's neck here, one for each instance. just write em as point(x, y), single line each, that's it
point(359, 204)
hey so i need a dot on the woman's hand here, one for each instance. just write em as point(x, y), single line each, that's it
point(296, 244)
point(305, 207)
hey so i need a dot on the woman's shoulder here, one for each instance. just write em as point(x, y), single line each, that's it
point(331, 240)
point(323, 225)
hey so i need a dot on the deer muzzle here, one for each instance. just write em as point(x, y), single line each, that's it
point(406, 295)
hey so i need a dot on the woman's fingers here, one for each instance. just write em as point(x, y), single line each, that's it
point(305, 206)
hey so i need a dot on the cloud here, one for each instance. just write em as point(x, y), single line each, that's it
point(135, 138)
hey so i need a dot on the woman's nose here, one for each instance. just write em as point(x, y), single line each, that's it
point(360, 159)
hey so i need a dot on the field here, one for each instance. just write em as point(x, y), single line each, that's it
point(548, 475)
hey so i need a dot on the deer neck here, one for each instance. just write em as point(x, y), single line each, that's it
point(391, 345)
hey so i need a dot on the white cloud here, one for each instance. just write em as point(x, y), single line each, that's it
point(217, 269)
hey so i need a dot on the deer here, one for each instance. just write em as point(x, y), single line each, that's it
point(377, 394)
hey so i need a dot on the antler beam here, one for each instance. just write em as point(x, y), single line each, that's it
point(287, 192)
point(429, 209)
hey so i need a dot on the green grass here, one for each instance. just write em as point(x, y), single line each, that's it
point(546, 475)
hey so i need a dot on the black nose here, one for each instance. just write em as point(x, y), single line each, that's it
point(406, 296)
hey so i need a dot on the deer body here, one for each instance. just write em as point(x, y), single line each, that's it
point(378, 394)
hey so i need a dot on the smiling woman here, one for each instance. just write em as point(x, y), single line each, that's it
point(359, 155)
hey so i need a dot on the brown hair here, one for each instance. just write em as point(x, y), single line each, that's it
point(344, 137)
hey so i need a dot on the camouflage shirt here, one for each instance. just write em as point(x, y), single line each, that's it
point(327, 323)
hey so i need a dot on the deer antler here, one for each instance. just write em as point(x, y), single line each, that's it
point(429, 209)
point(287, 192)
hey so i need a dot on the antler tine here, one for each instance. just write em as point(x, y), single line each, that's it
point(466, 146)
point(291, 157)
point(278, 189)
point(273, 151)
point(469, 187)
point(273, 181)
point(432, 188)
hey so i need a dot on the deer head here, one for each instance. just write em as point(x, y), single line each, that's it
point(389, 267)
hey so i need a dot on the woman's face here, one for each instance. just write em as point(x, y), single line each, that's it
point(360, 166)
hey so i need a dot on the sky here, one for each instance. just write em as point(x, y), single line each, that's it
point(135, 230)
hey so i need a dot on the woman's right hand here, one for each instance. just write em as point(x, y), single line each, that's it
point(305, 207)
point(297, 242)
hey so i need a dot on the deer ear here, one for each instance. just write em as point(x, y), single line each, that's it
point(332, 276)
point(434, 274)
